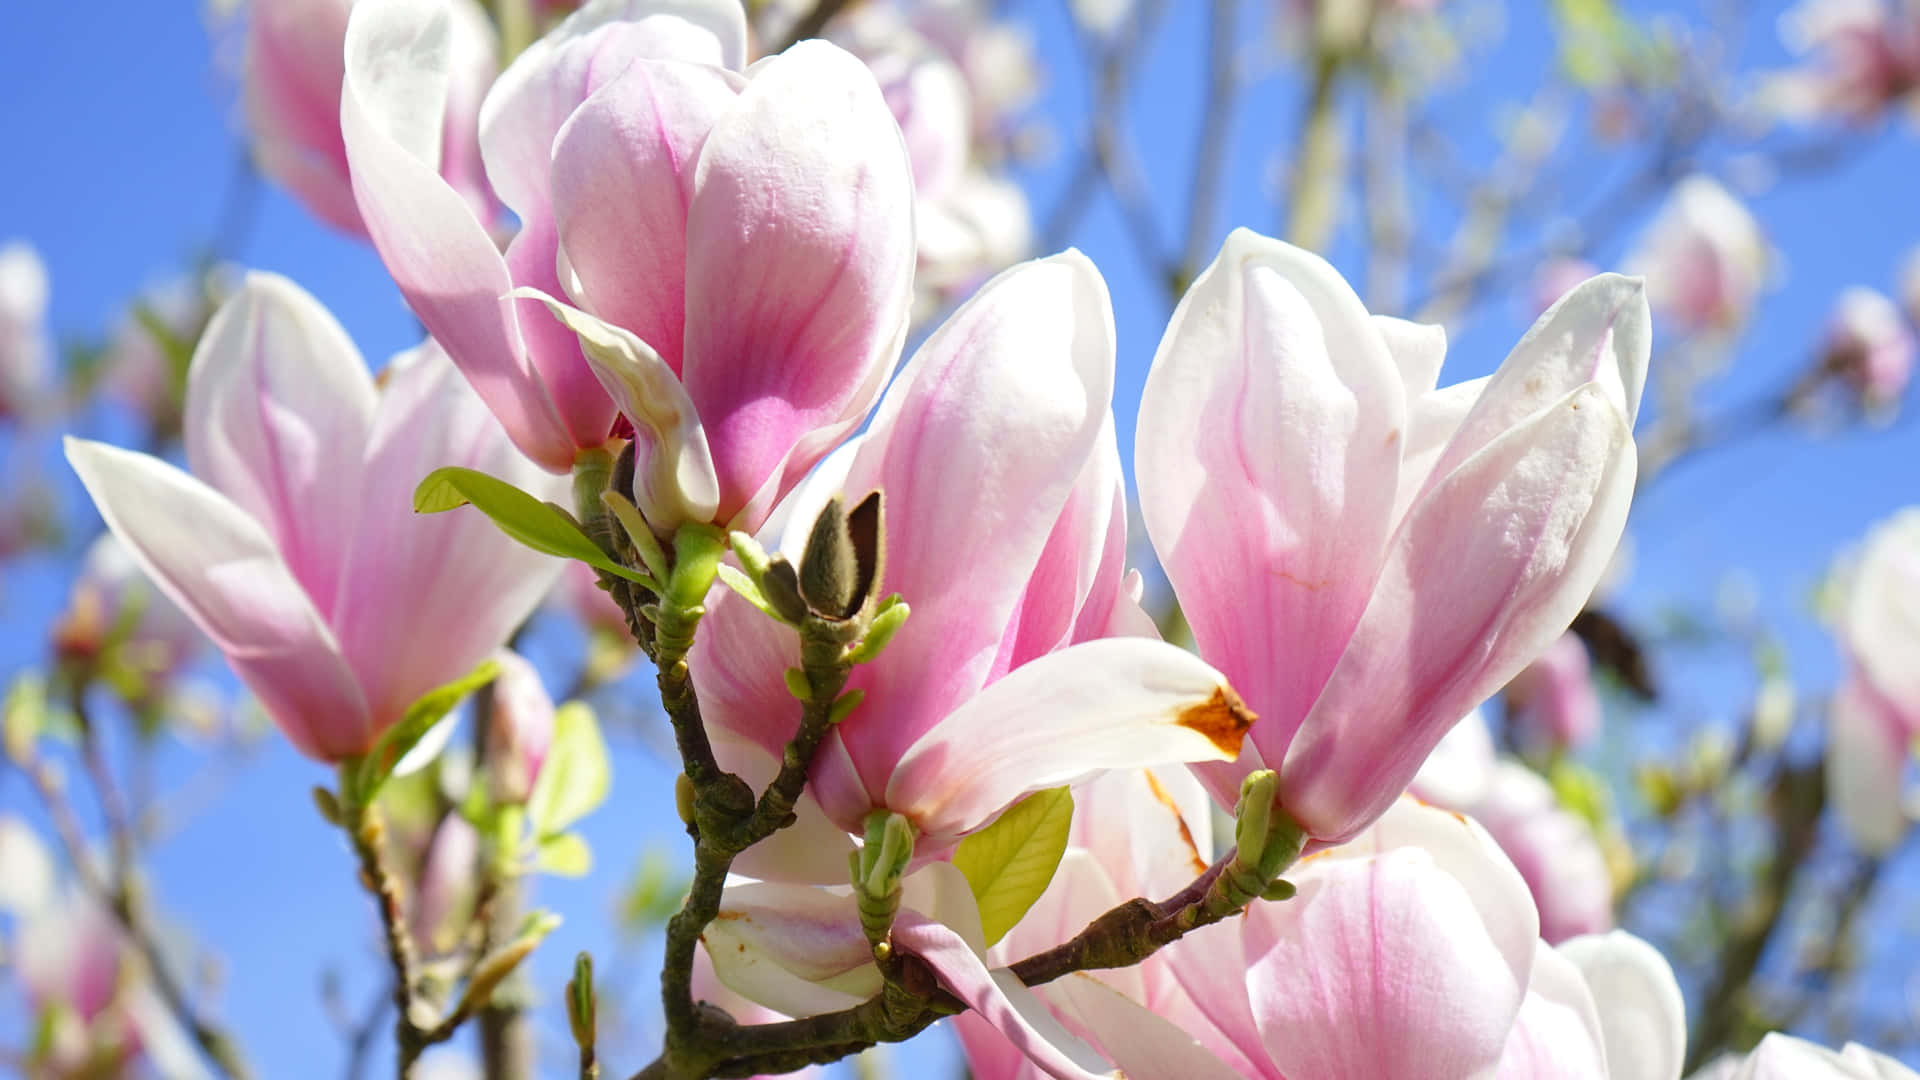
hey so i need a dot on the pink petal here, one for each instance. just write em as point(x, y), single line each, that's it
point(278, 409)
point(1380, 968)
point(428, 597)
point(1866, 762)
point(1138, 1039)
point(1599, 333)
point(584, 408)
point(223, 570)
point(622, 178)
point(1488, 568)
point(439, 254)
point(1117, 703)
point(1267, 455)
point(290, 87)
point(1007, 1005)
point(1007, 397)
point(800, 279)
point(1556, 1035)
point(532, 99)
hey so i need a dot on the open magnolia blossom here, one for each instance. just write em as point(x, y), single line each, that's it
point(1409, 953)
point(1873, 718)
point(1704, 257)
point(293, 546)
point(996, 686)
point(734, 252)
point(290, 87)
point(1366, 555)
point(1784, 1057)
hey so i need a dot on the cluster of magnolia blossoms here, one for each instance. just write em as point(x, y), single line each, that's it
point(718, 266)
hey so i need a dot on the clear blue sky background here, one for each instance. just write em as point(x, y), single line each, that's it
point(120, 148)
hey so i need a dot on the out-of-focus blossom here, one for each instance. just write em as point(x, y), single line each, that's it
point(294, 546)
point(293, 70)
point(994, 687)
point(1785, 1057)
point(114, 603)
point(1910, 286)
point(446, 883)
point(971, 222)
point(1462, 986)
point(1365, 555)
point(143, 366)
point(753, 328)
point(441, 1063)
point(1874, 716)
point(1860, 57)
point(1553, 702)
point(1870, 345)
point(578, 593)
point(1554, 850)
point(26, 870)
point(1704, 257)
point(26, 350)
point(521, 727)
point(1556, 278)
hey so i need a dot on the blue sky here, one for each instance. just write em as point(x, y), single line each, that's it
point(121, 141)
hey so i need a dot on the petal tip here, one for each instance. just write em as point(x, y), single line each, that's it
point(1223, 719)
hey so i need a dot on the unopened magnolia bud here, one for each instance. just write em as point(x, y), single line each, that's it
point(1254, 815)
point(580, 1001)
point(519, 730)
point(781, 586)
point(829, 568)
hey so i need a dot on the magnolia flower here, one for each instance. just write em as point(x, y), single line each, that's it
point(446, 883)
point(1869, 345)
point(1553, 700)
point(520, 729)
point(1874, 717)
point(1861, 56)
point(1460, 987)
point(1703, 256)
point(292, 74)
point(734, 253)
point(1366, 556)
point(1784, 1057)
point(294, 546)
point(994, 687)
point(25, 348)
point(1556, 278)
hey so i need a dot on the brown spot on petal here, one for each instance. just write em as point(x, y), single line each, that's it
point(1222, 718)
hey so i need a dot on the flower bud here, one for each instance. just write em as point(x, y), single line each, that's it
point(1869, 345)
point(519, 729)
point(25, 349)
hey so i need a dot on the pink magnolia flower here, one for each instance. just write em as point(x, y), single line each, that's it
point(294, 546)
point(1365, 556)
point(1861, 56)
point(1870, 345)
point(735, 253)
point(1408, 953)
point(1874, 717)
point(446, 883)
point(292, 74)
point(1704, 257)
point(521, 729)
point(994, 687)
point(1553, 700)
point(26, 349)
point(1784, 1057)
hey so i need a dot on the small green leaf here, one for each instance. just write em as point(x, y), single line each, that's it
point(541, 526)
point(1009, 863)
point(575, 777)
point(563, 855)
point(421, 716)
point(742, 584)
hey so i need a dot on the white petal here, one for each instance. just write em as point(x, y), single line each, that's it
point(1111, 704)
point(1642, 1017)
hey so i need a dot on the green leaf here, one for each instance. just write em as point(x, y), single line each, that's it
point(393, 744)
point(564, 855)
point(575, 777)
point(541, 526)
point(1009, 863)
